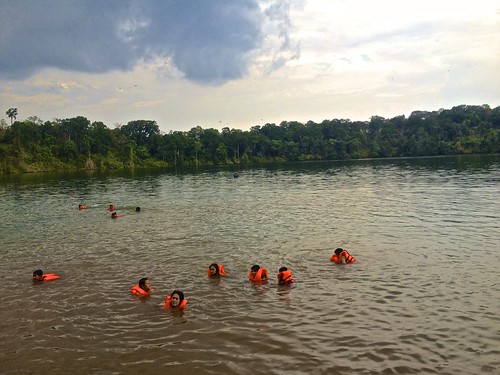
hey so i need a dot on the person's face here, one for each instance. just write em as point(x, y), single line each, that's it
point(175, 300)
point(213, 271)
point(38, 277)
point(147, 285)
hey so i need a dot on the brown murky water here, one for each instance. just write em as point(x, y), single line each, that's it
point(422, 298)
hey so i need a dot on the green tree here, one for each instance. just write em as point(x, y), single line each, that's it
point(100, 138)
point(76, 129)
point(210, 138)
point(12, 114)
point(142, 132)
point(221, 153)
point(23, 134)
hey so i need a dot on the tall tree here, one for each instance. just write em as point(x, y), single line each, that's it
point(12, 113)
point(141, 131)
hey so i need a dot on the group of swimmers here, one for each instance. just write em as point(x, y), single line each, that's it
point(257, 274)
point(176, 299)
point(112, 208)
point(141, 289)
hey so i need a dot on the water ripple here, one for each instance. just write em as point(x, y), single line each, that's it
point(422, 297)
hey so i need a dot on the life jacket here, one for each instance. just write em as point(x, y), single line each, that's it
point(137, 291)
point(285, 277)
point(260, 275)
point(112, 208)
point(181, 306)
point(115, 216)
point(50, 276)
point(222, 272)
point(338, 258)
point(82, 207)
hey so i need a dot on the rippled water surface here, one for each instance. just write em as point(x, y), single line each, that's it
point(422, 298)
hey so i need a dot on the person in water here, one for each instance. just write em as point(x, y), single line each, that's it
point(114, 215)
point(142, 288)
point(257, 273)
point(216, 270)
point(112, 207)
point(341, 256)
point(38, 275)
point(176, 300)
point(137, 209)
point(285, 276)
point(82, 207)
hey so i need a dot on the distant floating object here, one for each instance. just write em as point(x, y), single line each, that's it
point(236, 175)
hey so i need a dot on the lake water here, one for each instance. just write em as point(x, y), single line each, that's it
point(423, 297)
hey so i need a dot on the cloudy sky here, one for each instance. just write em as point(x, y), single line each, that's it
point(240, 63)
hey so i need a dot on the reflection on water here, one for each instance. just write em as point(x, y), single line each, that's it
point(422, 298)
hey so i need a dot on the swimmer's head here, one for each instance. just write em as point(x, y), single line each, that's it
point(214, 269)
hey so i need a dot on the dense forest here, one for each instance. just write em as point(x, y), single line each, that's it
point(76, 143)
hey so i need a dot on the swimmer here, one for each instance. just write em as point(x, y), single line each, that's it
point(142, 288)
point(82, 207)
point(38, 275)
point(257, 273)
point(137, 209)
point(216, 270)
point(176, 300)
point(112, 207)
point(285, 276)
point(114, 215)
point(341, 256)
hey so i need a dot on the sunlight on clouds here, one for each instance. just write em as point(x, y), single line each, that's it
point(376, 44)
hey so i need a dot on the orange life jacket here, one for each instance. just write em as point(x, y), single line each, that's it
point(285, 277)
point(82, 207)
point(338, 258)
point(181, 306)
point(137, 291)
point(222, 272)
point(50, 276)
point(260, 275)
point(115, 216)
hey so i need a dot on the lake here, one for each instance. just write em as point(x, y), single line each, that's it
point(423, 296)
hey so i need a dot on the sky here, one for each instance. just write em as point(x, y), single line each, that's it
point(242, 63)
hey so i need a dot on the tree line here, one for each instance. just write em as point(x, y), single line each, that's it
point(76, 143)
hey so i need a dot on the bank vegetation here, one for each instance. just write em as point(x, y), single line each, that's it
point(76, 143)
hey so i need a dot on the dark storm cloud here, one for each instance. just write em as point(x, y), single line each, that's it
point(209, 41)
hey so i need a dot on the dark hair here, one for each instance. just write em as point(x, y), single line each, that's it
point(113, 214)
point(255, 268)
point(216, 266)
point(338, 250)
point(179, 293)
point(137, 209)
point(142, 282)
point(38, 273)
point(283, 269)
